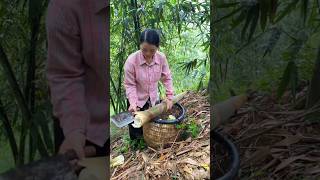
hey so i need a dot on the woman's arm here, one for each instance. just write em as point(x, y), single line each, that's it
point(65, 72)
point(166, 79)
point(130, 84)
point(65, 69)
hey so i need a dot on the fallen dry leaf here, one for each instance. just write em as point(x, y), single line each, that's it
point(289, 140)
point(145, 157)
point(315, 170)
point(197, 154)
point(287, 162)
point(257, 156)
point(187, 169)
point(189, 161)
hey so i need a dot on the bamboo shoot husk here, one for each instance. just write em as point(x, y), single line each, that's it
point(95, 168)
point(224, 110)
point(142, 117)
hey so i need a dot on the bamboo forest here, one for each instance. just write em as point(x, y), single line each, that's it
point(25, 109)
point(266, 56)
point(190, 89)
point(184, 29)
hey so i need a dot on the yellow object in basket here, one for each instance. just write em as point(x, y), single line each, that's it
point(171, 117)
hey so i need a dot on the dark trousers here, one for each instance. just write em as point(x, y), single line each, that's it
point(59, 137)
point(137, 133)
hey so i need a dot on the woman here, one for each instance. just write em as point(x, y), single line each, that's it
point(143, 70)
point(78, 85)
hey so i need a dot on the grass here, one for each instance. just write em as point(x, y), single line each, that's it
point(191, 127)
point(130, 145)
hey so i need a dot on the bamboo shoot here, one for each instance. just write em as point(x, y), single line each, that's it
point(142, 117)
point(224, 110)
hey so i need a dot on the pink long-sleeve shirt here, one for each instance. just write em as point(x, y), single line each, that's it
point(141, 79)
point(77, 66)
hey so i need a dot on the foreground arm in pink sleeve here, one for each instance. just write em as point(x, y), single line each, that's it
point(166, 79)
point(65, 69)
point(130, 83)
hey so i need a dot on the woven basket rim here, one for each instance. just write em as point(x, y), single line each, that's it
point(176, 121)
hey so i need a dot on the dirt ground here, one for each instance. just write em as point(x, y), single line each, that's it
point(189, 159)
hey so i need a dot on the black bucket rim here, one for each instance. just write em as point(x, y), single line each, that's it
point(234, 166)
point(175, 121)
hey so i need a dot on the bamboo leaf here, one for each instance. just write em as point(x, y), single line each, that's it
point(249, 42)
point(239, 19)
point(43, 123)
point(250, 15)
point(304, 10)
point(291, 6)
point(275, 36)
point(200, 85)
point(9, 133)
point(228, 15)
point(254, 22)
point(21, 103)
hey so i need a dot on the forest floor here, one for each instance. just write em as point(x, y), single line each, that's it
point(276, 140)
point(188, 159)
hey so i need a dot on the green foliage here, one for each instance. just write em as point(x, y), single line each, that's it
point(194, 129)
point(24, 99)
point(190, 127)
point(131, 145)
point(184, 31)
point(126, 143)
point(250, 13)
point(265, 45)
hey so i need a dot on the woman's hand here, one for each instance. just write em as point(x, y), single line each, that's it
point(74, 141)
point(133, 108)
point(169, 103)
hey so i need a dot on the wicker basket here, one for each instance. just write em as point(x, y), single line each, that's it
point(159, 133)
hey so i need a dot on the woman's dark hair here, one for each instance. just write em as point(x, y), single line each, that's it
point(150, 36)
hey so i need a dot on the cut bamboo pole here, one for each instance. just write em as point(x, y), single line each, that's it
point(142, 117)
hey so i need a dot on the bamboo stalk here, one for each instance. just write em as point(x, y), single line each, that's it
point(9, 133)
point(142, 117)
point(26, 114)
